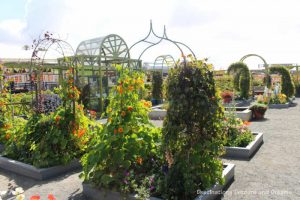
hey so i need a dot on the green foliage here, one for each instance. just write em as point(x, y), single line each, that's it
point(48, 140)
point(224, 83)
point(287, 84)
point(238, 134)
point(157, 85)
point(53, 139)
point(242, 78)
point(192, 132)
point(278, 99)
point(297, 89)
point(128, 148)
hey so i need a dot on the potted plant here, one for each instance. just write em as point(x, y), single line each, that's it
point(227, 96)
point(259, 110)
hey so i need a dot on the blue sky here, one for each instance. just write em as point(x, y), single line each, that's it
point(12, 9)
point(223, 31)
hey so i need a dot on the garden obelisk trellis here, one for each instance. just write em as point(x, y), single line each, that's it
point(42, 47)
point(164, 37)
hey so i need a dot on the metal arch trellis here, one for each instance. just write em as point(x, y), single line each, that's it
point(100, 54)
point(164, 60)
point(255, 55)
point(161, 38)
point(41, 47)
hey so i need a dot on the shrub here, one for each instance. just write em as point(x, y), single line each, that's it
point(224, 83)
point(157, 85)
point(54, 139)
point(192, 133)
point(287, 85)
point(128, 151)
point(297, 89)
point(242, 78)
point(238, 134)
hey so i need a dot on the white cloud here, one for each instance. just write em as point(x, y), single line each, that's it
point(222, 30)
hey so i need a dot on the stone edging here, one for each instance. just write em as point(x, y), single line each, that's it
point(279, 106)
point(244, 152)
point(96, 194)
point(36, 173)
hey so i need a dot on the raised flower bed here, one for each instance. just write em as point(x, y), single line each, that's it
point(1, 147)
point(279, 106)
point(96, 194)
point(244, 113)
point(278, 101)
point(157, 113)
point(245, 152)
point(36, 173)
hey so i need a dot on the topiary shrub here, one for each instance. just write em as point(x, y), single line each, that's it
point(242, 78)
point(192, 133)
point(287, 84)
point(157, 86)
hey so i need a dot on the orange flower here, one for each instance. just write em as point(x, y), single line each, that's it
point(130, 108)
point(35, 198)
point(120, 130)
point(139, 160)
point(123, 113)
point(7, 136)
point(147, 104)
point(57, 118)
point(51, 197)
point(115, 131)
point(247, 123)
point(81, 132)
point(130, 88)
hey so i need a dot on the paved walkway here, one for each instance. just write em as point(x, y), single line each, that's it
point(273, 173)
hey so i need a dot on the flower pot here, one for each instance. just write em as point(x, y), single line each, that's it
point(227, 99)
point(258, 114)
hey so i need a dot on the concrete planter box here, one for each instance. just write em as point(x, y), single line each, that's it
point(95, 194)
point(1, 147)
point(242, 112)
point(279, 106)
point(245, 152)
point(36, 173)
point(157, 113)
point(243, 103)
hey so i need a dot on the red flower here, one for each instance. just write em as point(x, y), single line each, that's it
point(130, 108)
point(51, 197)
point(35, 197)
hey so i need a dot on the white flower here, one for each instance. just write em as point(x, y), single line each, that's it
point(18, 191)
point(2, 193)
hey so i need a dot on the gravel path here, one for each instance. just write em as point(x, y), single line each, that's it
point(273, 173)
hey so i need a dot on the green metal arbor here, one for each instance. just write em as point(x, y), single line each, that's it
point(96, 59)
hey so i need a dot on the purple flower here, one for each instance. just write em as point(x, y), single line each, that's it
point(125, 181)
point(151, 188)
point(127, 173)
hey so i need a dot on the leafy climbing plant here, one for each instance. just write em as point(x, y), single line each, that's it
point(242, 78)
point(192, 133)
point(128, 148)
